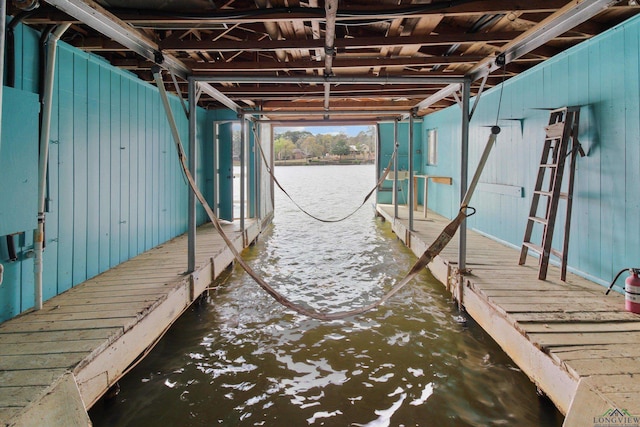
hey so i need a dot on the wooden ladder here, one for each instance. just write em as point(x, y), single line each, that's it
point(561, 133)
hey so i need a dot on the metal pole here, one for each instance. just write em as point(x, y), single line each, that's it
point(191, 240)
point(395, 168)
point(191, 233)
point(243, 146)
point(464, 165)
point(378, 160)
point(47, 98)
point(411, 189)
point(257, 174)
point(216, 168)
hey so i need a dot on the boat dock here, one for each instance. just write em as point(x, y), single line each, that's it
point(577, 345)
point(57, 362)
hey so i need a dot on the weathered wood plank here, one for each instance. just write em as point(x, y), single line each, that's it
point(70, 325)
point(61, 404)
point(58, 315)
point(6, 339)
point(10, 412)
point(50, 348)
point(19, 396)
point(601, 327)
point(126, 290)
point(560, 307)
point(46, 361)
point(582, 338)
point(607, 366)
point(35, 377)
point(544, 298)
point(94, 299)
point(604, 316)
point(616, 383)
point(132, 307)
point(596, 351)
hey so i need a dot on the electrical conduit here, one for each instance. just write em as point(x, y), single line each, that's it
point(38, 233)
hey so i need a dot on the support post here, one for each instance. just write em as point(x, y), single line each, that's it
point(191, 234)
point(464, 166)
point(243, 161)
point(45, 132)
point(257, 174)
point(395, 169)
point(410, 182)
point(191, 238)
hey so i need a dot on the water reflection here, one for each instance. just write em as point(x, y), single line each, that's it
point(241, 359)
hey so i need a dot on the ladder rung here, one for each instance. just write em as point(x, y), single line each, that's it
point(543, 193)
point(564, 195)
point(533, 247)
point(538, 219)
point(556, 253)
point(548, 165)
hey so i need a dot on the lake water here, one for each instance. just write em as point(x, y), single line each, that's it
point(240, 359)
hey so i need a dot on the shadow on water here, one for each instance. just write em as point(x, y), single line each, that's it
point(240, 359)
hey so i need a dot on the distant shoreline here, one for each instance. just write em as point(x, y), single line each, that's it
point(322, 162)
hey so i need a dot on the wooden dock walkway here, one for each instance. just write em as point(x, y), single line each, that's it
point(577, 345)
point(57, 362)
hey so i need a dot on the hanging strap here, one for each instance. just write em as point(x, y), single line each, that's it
point(304, 211)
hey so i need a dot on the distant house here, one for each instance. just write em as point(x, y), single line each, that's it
point(299, 154)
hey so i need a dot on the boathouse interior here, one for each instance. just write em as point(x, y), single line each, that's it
point(90, 177)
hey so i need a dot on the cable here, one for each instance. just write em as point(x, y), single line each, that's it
point(366, 198)
point(504, 73)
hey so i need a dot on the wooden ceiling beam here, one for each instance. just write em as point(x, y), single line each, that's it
point(174, 44)
point(418, 61)
point(50, 15)
point(341, 104)
point(318, 89)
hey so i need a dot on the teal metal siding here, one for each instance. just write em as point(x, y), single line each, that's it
point(602, 76)
point(115, 186)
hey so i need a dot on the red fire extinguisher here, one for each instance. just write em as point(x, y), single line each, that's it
point(631, 289)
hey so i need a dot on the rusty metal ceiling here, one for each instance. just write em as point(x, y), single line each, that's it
point(300, 59)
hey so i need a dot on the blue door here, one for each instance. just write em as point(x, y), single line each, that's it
point(225, 171)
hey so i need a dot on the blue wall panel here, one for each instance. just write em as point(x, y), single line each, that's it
point(93, 167)
point(601, 75)
point(79, 190)
point(125, 183)
point(65, 171)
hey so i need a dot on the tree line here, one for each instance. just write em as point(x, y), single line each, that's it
point(303, 143)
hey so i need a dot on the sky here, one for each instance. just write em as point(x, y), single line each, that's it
point(323, 130)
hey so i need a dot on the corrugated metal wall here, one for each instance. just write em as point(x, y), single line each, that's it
point(601, 75)
point(115, 187)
